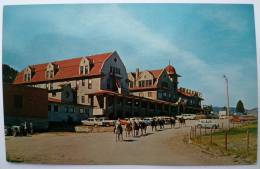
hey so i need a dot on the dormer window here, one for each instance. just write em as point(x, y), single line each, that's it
point(84, 66)
point(50, 71)
point(27, 74)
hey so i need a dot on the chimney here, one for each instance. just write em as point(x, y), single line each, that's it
point(137, 73)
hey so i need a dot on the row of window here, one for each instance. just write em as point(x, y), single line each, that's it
point(114, 70)
point(49, 74)
point(150, 94)
point(89, 83)
point(145, 83)
point(83, 70)
point(67, 109)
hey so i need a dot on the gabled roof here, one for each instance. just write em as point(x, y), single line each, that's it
point(68, 68)
point(156, 73)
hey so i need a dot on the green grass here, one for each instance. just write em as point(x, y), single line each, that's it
point(237, 143)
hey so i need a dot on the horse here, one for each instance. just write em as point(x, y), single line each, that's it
point(154, 125)
point(182, 122)
point(128, 129)
point(118, 130)
point(143, 127)
point(160, 121)
point(136, 129)
point(172, 122)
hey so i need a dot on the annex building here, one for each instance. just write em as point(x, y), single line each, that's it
point(99, 85)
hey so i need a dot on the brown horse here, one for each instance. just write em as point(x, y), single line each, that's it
point(128, 129)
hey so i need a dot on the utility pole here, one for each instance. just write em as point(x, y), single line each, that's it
point(226, 80)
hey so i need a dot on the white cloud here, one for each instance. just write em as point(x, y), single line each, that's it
point(139, 42)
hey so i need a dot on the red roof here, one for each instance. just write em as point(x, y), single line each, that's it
point(170, 69)
point(68, 68)
point(156, 73)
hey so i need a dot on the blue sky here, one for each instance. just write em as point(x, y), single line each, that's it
point(203, 42)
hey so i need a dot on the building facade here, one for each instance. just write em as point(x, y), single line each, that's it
point(101, 84)
point(25, 104)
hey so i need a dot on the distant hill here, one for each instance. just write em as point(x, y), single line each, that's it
point(217, 109)
point(9, 73)
point(253, 111)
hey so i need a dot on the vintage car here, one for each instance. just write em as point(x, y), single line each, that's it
point(207, 123)
point(186, 116)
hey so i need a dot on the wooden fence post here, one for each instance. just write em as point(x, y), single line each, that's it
point(226, 140)
point(190, 131)
point(200, 135)
point(195, 132)
point(211, 136)
point(247, 142)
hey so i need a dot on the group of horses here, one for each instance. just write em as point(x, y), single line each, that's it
point(136, 128)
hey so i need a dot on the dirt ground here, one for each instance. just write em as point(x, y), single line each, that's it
point(165, 147)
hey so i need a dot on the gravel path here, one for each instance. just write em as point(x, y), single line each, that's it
point(164, 147)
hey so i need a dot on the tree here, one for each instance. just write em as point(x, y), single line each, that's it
point(240, 107)
point(9, 73)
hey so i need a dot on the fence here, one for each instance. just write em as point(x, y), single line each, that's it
point(208, 137)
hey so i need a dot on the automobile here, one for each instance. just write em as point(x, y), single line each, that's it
point(148, 120)
point(207, 123)
point(97, 122)
point(186, 116)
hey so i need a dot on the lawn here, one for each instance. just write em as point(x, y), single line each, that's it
point(236, 143)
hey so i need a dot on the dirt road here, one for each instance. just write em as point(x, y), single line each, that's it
point(164, 147)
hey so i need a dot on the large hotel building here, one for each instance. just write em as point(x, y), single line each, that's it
point(99, 85)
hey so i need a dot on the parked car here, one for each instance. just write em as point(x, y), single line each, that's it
point(97, 122)
point(148, 120)
point(187, 116)
point(207, 123)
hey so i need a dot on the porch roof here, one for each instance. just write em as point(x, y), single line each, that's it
point(111, 93)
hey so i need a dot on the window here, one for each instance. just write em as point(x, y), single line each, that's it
point(81, 70)
point(53, 94)
point(49, 108)
point(83, 82)
point(18, 101)
point(81, 110)
point(149, 94)
point(82, 99)
point(51, 86)
point(56, 108)
point(142, 83)
point(51, 74)
point(89, 84)
point(27, 77)
point(86, 69)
